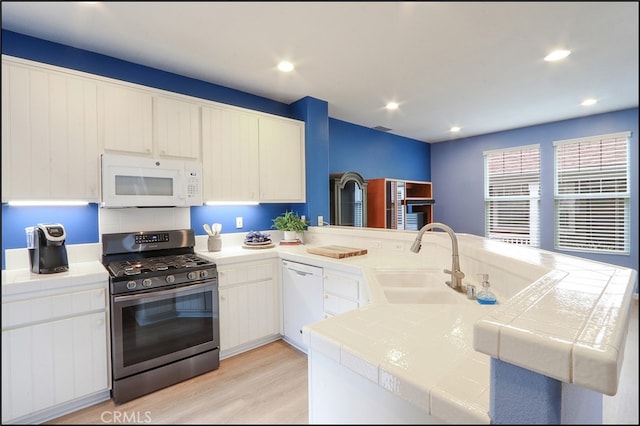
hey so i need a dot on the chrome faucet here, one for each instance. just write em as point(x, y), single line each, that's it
point(456, 274)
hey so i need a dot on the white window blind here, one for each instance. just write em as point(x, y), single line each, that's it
point(592, 194)
point(512, 195)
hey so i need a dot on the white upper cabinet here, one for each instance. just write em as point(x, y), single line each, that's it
point(49, 134)
point(138, 121)
point(176, 127)
point(56, 123)
point(125, 117)
point(282, 160)
point(229, 155)
point(249, 156)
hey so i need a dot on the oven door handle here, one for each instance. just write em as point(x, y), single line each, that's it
point(161, 294)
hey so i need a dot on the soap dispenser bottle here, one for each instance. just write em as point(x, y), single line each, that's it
point(485, 296)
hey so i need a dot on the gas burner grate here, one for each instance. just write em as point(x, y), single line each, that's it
point(172, 263)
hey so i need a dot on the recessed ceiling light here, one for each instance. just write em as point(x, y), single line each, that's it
point(556, 55)
point(285, 66)
point(391, 105)
point(589, 102)
point(454, 129)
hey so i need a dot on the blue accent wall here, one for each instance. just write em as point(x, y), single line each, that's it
point(457, 173)
point(376, 154)
point(254, 218)
point(314, 112)
point(80, 223)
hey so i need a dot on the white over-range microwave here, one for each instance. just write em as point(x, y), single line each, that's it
point(130, 181)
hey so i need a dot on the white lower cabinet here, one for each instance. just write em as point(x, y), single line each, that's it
point(250, 305)
point(55, 353)
point(343, 292)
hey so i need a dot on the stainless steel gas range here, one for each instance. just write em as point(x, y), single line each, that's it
point(164, 311)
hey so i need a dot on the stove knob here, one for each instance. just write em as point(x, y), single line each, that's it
point(131, 285)
point(146, 282)
point(204, 274)
point(192, 275)
point(170, 279)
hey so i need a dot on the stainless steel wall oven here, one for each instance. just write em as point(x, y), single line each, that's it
point(164, 311)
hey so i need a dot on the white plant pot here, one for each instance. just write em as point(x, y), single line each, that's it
point(289, 235)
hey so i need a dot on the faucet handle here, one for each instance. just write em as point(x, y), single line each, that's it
point(457, 273)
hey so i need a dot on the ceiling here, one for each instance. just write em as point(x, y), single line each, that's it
point(476, 65)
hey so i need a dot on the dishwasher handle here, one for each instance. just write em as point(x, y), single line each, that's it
point(302, 269)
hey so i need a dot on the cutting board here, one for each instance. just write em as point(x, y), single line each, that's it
point(337, 252)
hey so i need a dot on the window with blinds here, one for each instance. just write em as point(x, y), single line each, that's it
point(512, 195)
point(592, 194)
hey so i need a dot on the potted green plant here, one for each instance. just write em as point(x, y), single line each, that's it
point(290, 223)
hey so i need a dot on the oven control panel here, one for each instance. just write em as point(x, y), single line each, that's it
point(162, 237)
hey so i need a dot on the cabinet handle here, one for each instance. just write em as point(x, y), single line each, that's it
point(100, 322)
point(222, 298)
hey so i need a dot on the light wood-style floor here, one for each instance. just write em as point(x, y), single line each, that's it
point(268, 385)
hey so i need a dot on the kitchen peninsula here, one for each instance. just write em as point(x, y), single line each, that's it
point(559, 317)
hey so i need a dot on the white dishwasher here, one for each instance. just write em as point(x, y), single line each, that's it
point(302, 302)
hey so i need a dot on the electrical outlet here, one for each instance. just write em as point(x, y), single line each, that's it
point(239, 222)
point(320, 221)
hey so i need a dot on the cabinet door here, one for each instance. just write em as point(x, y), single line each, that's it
point(53, 363)
point(248, 312)
point(282, 161)
point(341, 292)
point(176, 127)
point(49, 135)
point(125, 117)
point(250, 307)
point(229, 155)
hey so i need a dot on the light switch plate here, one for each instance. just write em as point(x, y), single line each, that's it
point(320, 221)
point(239, 222)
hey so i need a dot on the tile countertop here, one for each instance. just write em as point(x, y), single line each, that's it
point(570, 324)
point(21, 282)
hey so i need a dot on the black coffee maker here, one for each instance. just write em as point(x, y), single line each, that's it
point(47, 251)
